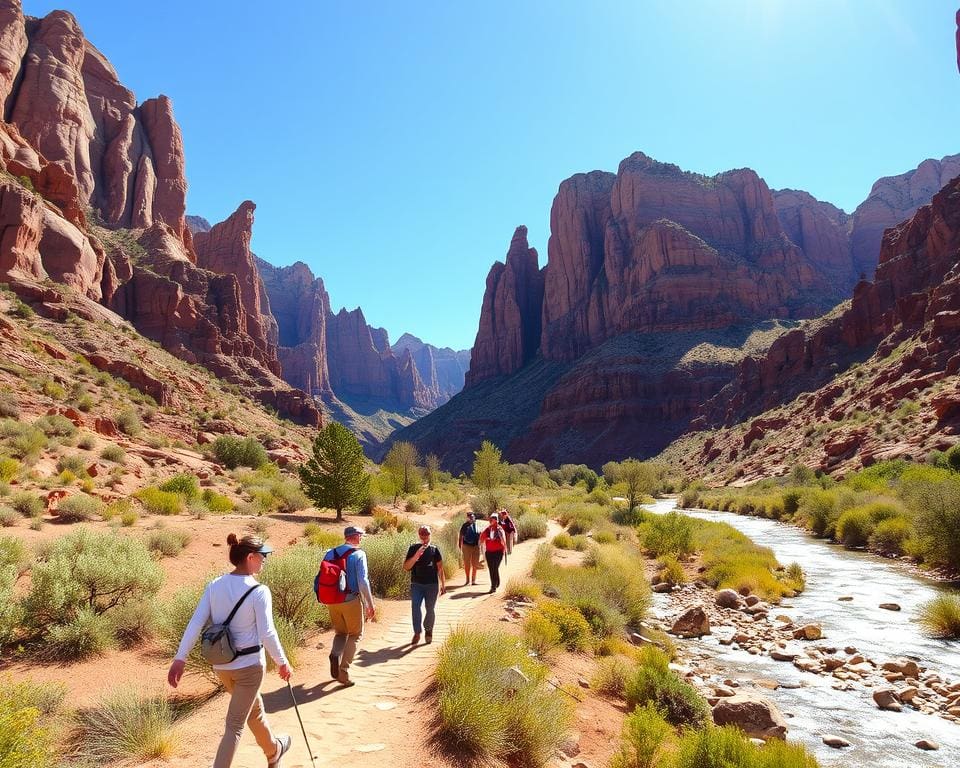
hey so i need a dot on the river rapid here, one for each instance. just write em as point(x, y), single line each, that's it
point(879, 739)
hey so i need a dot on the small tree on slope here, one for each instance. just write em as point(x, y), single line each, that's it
point(335, 477)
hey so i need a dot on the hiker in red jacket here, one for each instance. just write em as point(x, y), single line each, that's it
point(493, 544)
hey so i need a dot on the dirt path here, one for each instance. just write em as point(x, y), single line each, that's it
point(381, 722)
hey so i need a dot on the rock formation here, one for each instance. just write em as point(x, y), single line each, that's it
point(443, 370)
point(822, 231)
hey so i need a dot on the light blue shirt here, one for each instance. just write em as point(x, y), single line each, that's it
point(358, 579)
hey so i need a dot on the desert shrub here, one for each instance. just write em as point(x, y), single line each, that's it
point(87, 570)
point(671, 570)
point(318, 537)
point(174, 616)
point(732, 560)
point(854, 527)
point(128, 422)
point(818, 511)
point(25, 442)
point(725, 747)
point(796, 577)
point(47, 698)
point(612, 673)
point(387, 521)
point(55, 425)
point(128, 517)
point(572, 626)
point(532, 525)
point(8, 518)
point(292, 638)
point(52, 389)
point(157, 502)
point(24, 741)
point(87, 443)
point(86, 634)
point(563, 540)
point(446, 540)
point(604, 619)
point(28, 504)
point(644, 732)
point(9, 409)
point(288, 496)
point(541, 634)
point(670, 534)
point(216, 502)
point(622, 515)
point(13, 555)
point(168, 542)
point(235, 452)
point(11, 611)
point(79, 508)
point(184, 484)
point(936, 503)
point(578, 517)
point(890, 536)
point(476, 714)
point(114, 453)
point(385, 555)
point(413, 507)
point(290, 577)
point(488, 501)
point(135, 621)
point(599, 496)
point(9, 468)
point(653, 681)
point(940, 617)
point(604, 536)
point(126, 725)
point(522, 588)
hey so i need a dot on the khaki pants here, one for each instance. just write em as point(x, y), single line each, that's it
point(347, 620)
point(246, 706)
point(471, 556)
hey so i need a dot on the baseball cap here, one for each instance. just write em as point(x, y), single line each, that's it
point(265, 549)
point(351, 530)
point(494, 516)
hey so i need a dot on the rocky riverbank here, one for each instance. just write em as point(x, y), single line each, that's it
point(759, 628)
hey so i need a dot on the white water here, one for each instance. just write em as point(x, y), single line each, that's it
point(880, 739)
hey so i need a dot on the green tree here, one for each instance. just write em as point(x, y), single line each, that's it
point(432, 471)
point(335, 477)
point(639, 478)
point(487, 468)
point(401, 465)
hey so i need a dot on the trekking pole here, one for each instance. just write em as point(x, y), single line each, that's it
point(302, 729)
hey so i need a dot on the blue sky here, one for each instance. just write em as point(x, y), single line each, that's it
point(394, 147)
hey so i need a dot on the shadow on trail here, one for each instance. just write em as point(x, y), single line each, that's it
point(477, 591)
point(390, 653)
point(279, 700)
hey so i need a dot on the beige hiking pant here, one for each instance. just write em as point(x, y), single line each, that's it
point(347, 620)
point(246, 706)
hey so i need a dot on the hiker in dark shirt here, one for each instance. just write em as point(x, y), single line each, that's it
point(426, 583)
point(469, 545)
point(509, 529)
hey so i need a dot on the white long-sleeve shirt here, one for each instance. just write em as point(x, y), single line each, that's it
point(251, 625)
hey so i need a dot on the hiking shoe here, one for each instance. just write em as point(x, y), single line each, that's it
point(416, 638)
point(334, 667)
point(345, 681)
point(428, 638)
point(283, 746)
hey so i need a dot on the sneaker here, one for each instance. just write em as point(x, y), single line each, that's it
point(334, 667)
point(345, 681)
point(283, 746)
point(416, 638)
point(428, 638)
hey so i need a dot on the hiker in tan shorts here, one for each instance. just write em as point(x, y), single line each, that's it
point(469, 545)
point(347, 617)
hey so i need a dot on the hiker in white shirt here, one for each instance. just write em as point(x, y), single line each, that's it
point(252, 630)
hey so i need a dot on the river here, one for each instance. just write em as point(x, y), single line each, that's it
point(880, 739)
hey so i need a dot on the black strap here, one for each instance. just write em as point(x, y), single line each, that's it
point(251, 649)
point(239, 602)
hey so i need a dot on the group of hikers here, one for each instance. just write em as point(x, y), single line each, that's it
point(234, 618)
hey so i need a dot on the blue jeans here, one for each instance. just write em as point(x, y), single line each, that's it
point(423, 593)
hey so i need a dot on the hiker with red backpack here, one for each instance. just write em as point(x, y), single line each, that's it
point(344, 587)
point(427, 583)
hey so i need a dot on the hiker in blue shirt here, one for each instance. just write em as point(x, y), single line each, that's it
point(347, 617)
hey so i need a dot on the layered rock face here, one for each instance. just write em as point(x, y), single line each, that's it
point(442, 369)
point(509, 331)
point(822, 231)
point(893, 199)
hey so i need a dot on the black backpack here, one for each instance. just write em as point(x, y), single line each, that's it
point(471, 536)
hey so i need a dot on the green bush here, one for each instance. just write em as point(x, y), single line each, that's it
point(413, 507)
point(818, 509)
point(128, 422)
point(318, 537)
point(9, 468)
point(653, 681)
point(563, 540)
point(157, 502)
point(532, 525)
point(522, 588)
point(168, 542)
point(671, 570)
point(290, 577)
point(85, 635)
point(488, 713)
point(56, 425)
point(174, 617)
point(26, 442)
point(234, 452)
point(135, 621)
point(184, 484)
point(9, 408)
point(126, 725)
point(8, 518)
point(610, 678)
point(541, 634)
point(385, 555)
point(446, 540)
point(79, 508)
point(24, 741)
point(940, 617)
point(489, 501)
point(890, 536)
point(216, 502)
point(854, 527)
point(87, 570)
point(113, 453)
point(622, 515)
point(74, 463)
point(727, 747)
point(644, 732)
point(669, 534)
point(572, 626)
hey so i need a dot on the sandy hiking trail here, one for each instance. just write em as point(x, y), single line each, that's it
point(382, 720)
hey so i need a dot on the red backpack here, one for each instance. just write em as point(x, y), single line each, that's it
point(331, 581)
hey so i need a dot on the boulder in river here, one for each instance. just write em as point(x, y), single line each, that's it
point(926, 744)
point(691, 623)
point(886, 698)
point(837, 742)
point(890, 606)
point(754, 715)
point(728, 598)
point(808, 632)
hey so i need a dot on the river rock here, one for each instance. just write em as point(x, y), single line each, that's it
point(886, 698)
point(890, 606)
point(845, 598)
point(663, 586)
point(905, 667)
point(837, 742)
point(751, 600)
point(784, 654)
point(808, 632)
point(756, 716)
point(833, 664)
point(728, 598)
point(691, 623)
point(926, 744)
point(908, 694)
